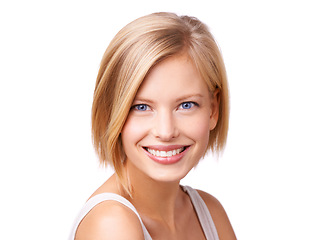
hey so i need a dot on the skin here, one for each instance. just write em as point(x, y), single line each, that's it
point(173, 109)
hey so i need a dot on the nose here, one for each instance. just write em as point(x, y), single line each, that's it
point(165, 127)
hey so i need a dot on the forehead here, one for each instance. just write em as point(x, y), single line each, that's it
point(174, 76)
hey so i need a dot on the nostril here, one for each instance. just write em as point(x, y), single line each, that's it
point(165, 125)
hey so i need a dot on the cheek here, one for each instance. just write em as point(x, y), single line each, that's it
point(126, 133)
point(132, 132)
point(199, 130)
point(202, 129)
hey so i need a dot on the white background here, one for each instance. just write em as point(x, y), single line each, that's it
point(49, 56)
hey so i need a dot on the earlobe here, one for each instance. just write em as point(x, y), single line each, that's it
point(214, 106)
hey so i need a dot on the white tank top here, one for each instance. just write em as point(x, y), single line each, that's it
point(198, 203)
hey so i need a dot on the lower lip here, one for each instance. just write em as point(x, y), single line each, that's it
point(167, 160)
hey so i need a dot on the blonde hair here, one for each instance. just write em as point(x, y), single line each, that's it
point(131, 54)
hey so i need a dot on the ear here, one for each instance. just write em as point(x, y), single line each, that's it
point(214, 107)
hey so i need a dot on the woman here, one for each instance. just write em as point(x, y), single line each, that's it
point(160, 103)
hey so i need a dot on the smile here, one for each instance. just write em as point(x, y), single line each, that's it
point(166, 154)
point(159, 153)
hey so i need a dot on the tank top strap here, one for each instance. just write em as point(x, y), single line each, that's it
point(92, 202)
point(203, 214)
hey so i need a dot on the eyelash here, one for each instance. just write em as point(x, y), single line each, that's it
point(138, 107)
point(192, 105)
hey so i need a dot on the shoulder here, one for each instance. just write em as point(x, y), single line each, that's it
point(110, 220)
point(219, 216)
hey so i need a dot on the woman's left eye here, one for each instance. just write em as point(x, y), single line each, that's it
point(187, 105)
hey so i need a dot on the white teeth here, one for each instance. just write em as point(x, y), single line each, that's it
point(158, 153)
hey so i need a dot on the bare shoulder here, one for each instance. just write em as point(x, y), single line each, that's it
point(219, 216)
point(110, 220)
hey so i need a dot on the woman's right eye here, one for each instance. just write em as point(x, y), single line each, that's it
point(141, 107)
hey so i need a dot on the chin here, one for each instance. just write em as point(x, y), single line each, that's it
point(166, 175)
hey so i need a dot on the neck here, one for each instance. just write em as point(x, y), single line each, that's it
point(155, 200)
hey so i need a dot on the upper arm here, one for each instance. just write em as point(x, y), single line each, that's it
point(110, 220)
point(219, 216)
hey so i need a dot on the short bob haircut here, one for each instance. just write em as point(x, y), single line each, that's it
point(135, 49)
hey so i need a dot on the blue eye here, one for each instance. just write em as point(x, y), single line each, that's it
point(141, 107)
point(187, 105)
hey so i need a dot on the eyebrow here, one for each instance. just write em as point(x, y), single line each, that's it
point(139, 99)
point(189, 96)
point(145, 100)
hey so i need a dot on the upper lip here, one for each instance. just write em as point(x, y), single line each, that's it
point(165, 147)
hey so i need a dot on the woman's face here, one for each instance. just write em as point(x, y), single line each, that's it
point(167, 129)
